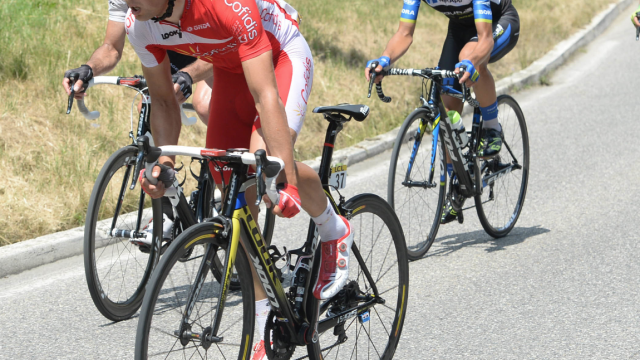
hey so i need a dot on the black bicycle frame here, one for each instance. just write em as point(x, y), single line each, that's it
point(300, 326)
point(442, 129)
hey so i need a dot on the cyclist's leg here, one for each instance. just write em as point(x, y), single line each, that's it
point(506, 31)
point(455, 41)
point(231, 116)
point(294, 74)
point(202, 98)
point(231, 124)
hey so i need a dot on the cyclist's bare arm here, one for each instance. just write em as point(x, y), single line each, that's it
point(261, 80)
point(397, 46)
point(199, 70)
point(106, 57)
point(482, 51)
point(165, 117)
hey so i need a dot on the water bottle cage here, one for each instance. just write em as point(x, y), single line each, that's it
point(276, 256)
point(287, 273)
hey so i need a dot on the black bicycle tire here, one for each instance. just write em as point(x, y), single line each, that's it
point(414, 253)
point(175, 251)
point(370, 203)
point(488, 227)
point(112, 310)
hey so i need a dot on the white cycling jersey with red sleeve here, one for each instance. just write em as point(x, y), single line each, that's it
point(222, 32)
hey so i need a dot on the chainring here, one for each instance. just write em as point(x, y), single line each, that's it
point(276, 345)
point(457, 200)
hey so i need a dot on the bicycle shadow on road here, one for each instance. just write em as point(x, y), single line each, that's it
point(451, 243)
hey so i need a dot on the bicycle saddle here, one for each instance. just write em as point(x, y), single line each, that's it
point(358, 112)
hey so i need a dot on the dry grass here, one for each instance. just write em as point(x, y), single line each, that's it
point(50, 160)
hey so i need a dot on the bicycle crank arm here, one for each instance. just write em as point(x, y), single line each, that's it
point(334, 320)
point(489, 180)
point(422, 184)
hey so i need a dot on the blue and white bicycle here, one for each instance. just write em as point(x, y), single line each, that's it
point(418, 196)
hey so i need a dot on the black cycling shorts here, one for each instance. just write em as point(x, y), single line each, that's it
point(179, 61)
point(506, 30)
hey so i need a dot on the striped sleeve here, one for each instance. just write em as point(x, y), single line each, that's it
point(410, 11)
point(482, 11)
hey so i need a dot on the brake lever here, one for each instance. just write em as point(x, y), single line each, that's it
point(72, 79)
point(372, 76)
point(261, 187)
point(463, 69)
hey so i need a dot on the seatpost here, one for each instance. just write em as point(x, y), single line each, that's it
point(335, 126)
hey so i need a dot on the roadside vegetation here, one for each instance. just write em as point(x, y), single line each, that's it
point(50, 160)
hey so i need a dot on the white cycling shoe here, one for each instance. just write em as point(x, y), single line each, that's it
point(167, 229)
point(334, 265)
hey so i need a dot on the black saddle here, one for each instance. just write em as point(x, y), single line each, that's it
point(358, 112)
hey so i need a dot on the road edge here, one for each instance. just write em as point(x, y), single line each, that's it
point(29, 254)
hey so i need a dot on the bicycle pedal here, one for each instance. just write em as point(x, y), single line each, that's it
point(460, 217)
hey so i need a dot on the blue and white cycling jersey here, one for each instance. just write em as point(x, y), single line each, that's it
point(461, 11)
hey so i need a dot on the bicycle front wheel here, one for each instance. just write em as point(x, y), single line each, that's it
point(505, 177)
point(117, 270)
point(378, 270)
point(416, 195)
point(183, 291)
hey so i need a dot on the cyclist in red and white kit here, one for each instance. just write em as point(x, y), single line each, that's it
point(263, 73)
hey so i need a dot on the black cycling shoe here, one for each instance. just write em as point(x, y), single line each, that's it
point(490, 144)
point(448, 215)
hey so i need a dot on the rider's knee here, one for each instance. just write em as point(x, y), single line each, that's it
point(201, 101)
point(451, 103)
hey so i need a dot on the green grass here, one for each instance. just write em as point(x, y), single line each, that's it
point(50, 160)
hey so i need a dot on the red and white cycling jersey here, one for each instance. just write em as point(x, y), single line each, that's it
point(226, 33)
point(222, 32)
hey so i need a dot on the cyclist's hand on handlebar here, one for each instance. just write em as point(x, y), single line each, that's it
point(470, 76)
point(82, 76)
point(155, 191)
point(289, 203)
point(182, 85)
point(383, 63)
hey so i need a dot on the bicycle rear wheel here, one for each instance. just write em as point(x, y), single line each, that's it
point(417, 203)
point(377, 266)
point(117, 270)
point(171, 286)
point(505, 177)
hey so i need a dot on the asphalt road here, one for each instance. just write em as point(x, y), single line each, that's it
point(564, 284)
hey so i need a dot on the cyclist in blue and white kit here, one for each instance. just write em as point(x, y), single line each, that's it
point(480, 32)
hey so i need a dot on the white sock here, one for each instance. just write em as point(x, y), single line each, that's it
point(330, 225)
point(262, 311)
point(491, 124)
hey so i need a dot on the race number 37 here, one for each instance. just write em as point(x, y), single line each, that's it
point(338, 177)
